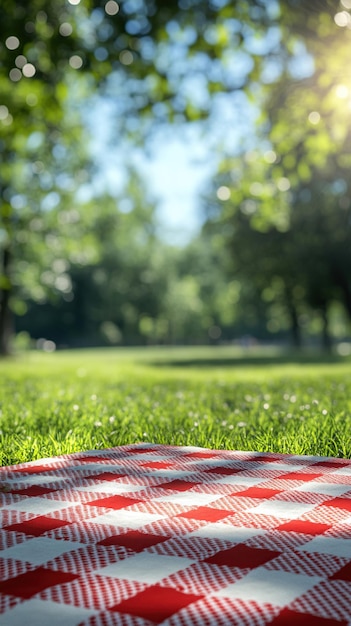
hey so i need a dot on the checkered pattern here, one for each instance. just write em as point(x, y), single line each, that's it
point(149, 534)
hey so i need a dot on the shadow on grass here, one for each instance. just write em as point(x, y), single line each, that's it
point(252, 360)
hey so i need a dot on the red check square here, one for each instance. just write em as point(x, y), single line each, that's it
point(337, 464)
point(114, 502)
point(177, 485)
point(225, 471)
point(37, 526)
point(142, 450)
point(305, 527)
point(243, 556)
point(206, 513)
point(92, 459)
point(300, 476)
point(156, 465)
point(34, 490)
point(35, 469)
point(134, 539)
point(200, 455)
point(339, 503)
point(103, 476)
point(29, 584)
point(343, 574)
point(263, 458)
point(156, 603)
point(257, 492)
point(293, 618)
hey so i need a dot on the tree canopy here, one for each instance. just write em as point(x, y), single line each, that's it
point(173, 62)
point(288, 201)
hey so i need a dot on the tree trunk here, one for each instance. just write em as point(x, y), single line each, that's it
point(342, 281)
point(5, 312)
point(295, 327)
point(294, 319)
point(326, 339)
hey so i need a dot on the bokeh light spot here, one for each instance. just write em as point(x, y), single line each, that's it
point(314, 117)
point(65, 29)
point(32, 100)
point(248, 207)
point(283, 184)
point(76, 61)
point(111, 7)
point(101, 54)
point(256, 188)
point(126, 57)
point(29, 27)
point(270, 156)
point(15, 75)
point(3, 112)
point(342, 19)
point(12, 43)
point(20, 61)
point(223, 193)
point(8, 120)
point(342, 91)
point(28, 70)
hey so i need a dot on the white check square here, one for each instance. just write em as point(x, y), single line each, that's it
point(38, 479)
point(276, 587)
point(189, 499)
point(42, 613)
point(325, 489)
point(236, 479)
point(170, 474)
point(101, 467)
point(191, 449)
point(328, 545)
point(310, 457)
point(226, 532)
point(109, 486)
point(148, 456)
point(285, 467)
point(343, 471)
point(40, 506)
point(145, 567)
point(210, 462)
point(127, 519)
point(39, 550)
point(281, 508)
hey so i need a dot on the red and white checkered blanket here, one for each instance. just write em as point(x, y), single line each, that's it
point(150, 534)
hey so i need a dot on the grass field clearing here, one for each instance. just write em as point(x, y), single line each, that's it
point(217, 397)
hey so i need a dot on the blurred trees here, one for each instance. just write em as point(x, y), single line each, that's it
point(276, 243)
point(54, 54)
point(284, 209)
point(134, 289)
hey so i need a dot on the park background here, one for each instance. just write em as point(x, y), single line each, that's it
point(175, 225)
point(175, 173)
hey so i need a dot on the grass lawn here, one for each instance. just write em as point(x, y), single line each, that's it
point(216, 397)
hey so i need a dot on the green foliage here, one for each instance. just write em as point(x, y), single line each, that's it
point(162, 62)
point(283, 209)
point(213, 397)
point(55, 55)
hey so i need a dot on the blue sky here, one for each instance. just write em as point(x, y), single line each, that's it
point(176, 166)
point(178, 162)
point(177, 171)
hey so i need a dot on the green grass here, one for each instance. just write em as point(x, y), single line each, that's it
point(217, 397)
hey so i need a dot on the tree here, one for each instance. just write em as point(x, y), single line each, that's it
point(286, 205)
point(147, 57)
